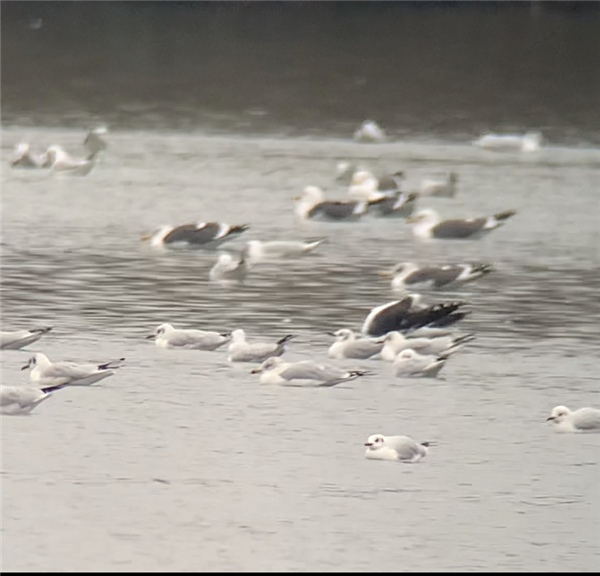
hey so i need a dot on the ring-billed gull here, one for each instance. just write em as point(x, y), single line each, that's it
point(229, 268)
point(427, 224)
point(444, 187)
point(23, 158)
point(395, 342)
point(45, 373)
point(409, 363)
point(370, 131)
point(410, 314)
point(528, 142)
point(312, 205)
point(241, 351)
point(23, 399)
point(166, 336)
point(94, 143)
point(398, 448)
point(62, 162)
point(408, 275)
point(20, 338)
point(349, 345)
point(582, 420)
point(198, 235)
point(267, 251)
point(278, 371)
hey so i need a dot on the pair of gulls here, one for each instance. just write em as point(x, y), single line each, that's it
point(60, 161)
point(47, 377)
point(239, 349)
point(364, 185)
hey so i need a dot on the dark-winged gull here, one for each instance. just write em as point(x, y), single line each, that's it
point(166, 336)
point(408, 275)
point(199, 235)
point(397, 448)
point(23, 399)
point(396, 205)
point(45, 373)
point(312, 205)
point(370, 131)
point(582, 420)
point(396, 342)
point(444, 187)
point(409, 314)
point(20, 338)
point(427, 224)
point(350, 345)
point(305, 373)
point(528, 142)
point(241, 351)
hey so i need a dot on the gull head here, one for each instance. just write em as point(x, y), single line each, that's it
point(427, 216)
point(558, 414)
point(394, 337)
point(268, 364)
point(36, 359)
point(361, 177)
point(238, 335)
point(375, 441)
point(312, 194)
point(160, 331)
point(342, 334)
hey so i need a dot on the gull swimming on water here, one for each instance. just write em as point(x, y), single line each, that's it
point(409, 314)
point(166, 336)
point(45, 373)
point(349, 345)
point(369, 131)
point(228, 268)
point(267, 251)
point(364, 186)
point(312, 205)
point(582, 420)
point(199, 235)
point(410, 363)
point(528, 142)
point(19, 339)
point(396, 342)
point(398, 448)
point(23, 399)
point(428, 224)
point(397, 205)
point(241, 351)
point(278, 371)
point(408, 275)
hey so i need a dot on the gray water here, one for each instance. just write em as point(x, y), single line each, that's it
point(225, 111)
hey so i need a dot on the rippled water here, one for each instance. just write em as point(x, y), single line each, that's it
point(183, 462)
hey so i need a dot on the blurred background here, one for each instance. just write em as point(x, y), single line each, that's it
point(423, 70)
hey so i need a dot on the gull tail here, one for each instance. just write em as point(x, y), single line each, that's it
point(41, 330)
point(313, 244)
point(459, 340)
point(500, 216)
point(112, 365)
point(428, 444)
point(481, 268)
point(357, 373)
point(238, 228)
point(286, 339)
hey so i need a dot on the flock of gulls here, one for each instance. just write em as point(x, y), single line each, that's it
point(417, 338)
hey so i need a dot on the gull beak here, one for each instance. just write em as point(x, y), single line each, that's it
point(368, 444)
point(145, 237)
point(296, 197)
point(150, 336)
point(25, 367)
point(384, 273)
point(411, 220)
point(331, 334)
point(549, 418)
point(255, 371)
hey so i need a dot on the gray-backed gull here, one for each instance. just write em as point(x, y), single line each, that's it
point(408, 275)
